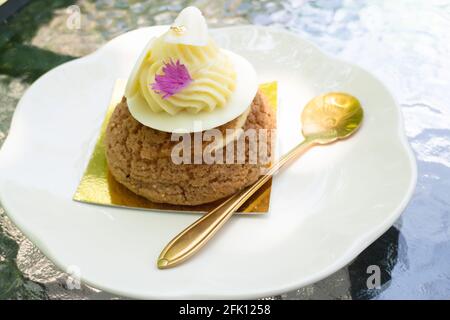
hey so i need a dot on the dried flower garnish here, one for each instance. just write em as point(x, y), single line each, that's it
point(175, 78)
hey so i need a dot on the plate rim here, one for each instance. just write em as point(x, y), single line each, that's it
point(358, 245)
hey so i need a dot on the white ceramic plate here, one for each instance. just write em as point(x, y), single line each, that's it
point(326, 208)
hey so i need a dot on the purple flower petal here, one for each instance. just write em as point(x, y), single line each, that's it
point(175, 78)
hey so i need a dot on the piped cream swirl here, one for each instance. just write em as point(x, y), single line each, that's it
point(213, 77)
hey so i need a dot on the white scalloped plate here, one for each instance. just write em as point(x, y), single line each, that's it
point(326, 208)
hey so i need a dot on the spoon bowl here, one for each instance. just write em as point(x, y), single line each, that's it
point(330, 117)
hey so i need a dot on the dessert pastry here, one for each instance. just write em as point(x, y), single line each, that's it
point(184, 86)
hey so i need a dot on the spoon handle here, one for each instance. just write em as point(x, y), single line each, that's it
point(192, 239)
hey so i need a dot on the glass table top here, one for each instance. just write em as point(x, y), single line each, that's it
point(405, 43)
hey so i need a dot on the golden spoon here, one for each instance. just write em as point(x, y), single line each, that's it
point(325, 119)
